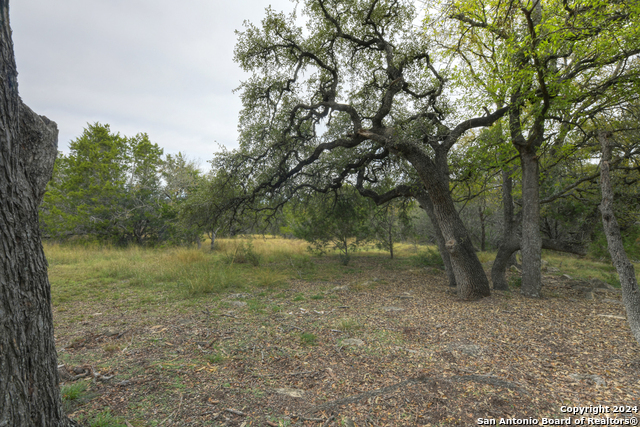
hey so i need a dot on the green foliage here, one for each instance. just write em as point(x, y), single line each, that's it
point(182, 179)
point(73, 391)
point(429, 258)
point(391, 223)
point(335, 221)
point(216, 358)
point(244, 252)
point(107, 189)
point(307, 338)
point(105, 419)
point(515, 281)
point(630, 240)
point(209, 208)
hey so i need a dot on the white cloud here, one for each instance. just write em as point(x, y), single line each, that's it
point(139, 65)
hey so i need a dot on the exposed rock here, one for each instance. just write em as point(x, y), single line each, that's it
point(353, 341)
point(340, 288)
point(392, 309)
point(595, 378)
point(514, 269)
point(292, 392)
point(587, 294)
point(467, 349)
point(566, 277)
point(238, 303)
point(600, 284)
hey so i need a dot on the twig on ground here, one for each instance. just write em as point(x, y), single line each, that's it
point(326, 423)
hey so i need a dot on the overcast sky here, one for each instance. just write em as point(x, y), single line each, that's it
point(154, 66)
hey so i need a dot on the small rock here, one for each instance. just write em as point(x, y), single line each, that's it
point(595, 378)
point(124, 383)
point(613, 301)
point(111, 332)
point(340, 288)
point(293, 392)
point(392, 309)
point(348, 422)
point(600, 284)
point(236, 296)
point(467, 349)
point(514, 269)
point(553, 269)
point(566, 277)
point(238, 303)
point(353, 341)
point(587, 295)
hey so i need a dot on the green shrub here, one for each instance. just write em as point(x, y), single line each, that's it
point(105, 419)
point(307, 338)
point(73, 391)
point(428, 258)
point(515, 281)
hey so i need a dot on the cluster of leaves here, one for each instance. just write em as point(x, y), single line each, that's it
point(344, 221)
point(121, 190)
point(107, 187)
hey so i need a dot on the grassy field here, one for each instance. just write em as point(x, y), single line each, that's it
point(259, 332)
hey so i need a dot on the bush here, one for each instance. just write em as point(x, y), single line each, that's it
point(244, 253)
point(429, 258)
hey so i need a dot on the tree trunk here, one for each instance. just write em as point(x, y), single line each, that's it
point(425, 203)
point(531, 239)
point(29, 393)
point(213, 240)
point(471, 280)
point(626, 272)
point(483, 233)
point(509, 242)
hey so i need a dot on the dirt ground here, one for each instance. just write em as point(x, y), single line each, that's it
point(381, 348)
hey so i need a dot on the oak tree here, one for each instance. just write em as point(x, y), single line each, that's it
point(354, 89)
point(29, 393)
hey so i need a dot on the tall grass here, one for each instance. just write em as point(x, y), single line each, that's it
point(75, 270)
point(85, 272)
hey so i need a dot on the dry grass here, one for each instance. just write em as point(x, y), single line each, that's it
point(170, 325)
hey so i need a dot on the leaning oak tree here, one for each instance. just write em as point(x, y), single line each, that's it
point(355, 87)
point(29, 393)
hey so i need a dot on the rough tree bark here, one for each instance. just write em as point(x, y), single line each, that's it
point(510, 242)
point(425, 203)
point(471, 280)
point(626, 272)
point(531, 239)
point(29, 393)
